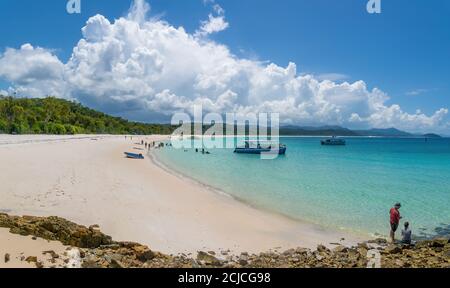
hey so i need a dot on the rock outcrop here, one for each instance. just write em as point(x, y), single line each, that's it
point(55, 228)
point(97, 250)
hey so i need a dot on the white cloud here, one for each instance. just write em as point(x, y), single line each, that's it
point(138, 11)
point(417, 92)
point(206, 2)
point(218, 9)
point(33, 71)
point(332, 76)
point(214, 24)
point(37, 64)
point(149, 69)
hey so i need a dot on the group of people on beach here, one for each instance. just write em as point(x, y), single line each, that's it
point(395, 222)
point(148, 145)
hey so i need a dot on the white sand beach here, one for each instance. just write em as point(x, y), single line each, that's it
point(87, 179)
point(15, 250)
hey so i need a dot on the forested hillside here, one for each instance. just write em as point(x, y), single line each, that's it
point(57, 116)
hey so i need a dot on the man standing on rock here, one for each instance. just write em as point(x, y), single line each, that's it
point(395, 220)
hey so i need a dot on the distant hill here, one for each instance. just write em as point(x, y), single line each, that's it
point(340, 131)
point(431, 135)
point(58, 116)
point(316, 131)
point(390, 132)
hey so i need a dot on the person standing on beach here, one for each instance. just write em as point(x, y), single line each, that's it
point(394, 220)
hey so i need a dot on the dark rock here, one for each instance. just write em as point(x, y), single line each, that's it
point(439, 242)
point(90, 264)
point(243, 262)
point(303, 251)
point(112, 246)
point(30, 259)
point(117, 264)
point(392, 249)
point(208, 259)
point(244, 256)
point(363, 245)
point(143, 253)
point(423, 244)
point(51, 253)
point(94, 227)
point(7, 258)
point(322, 248)
point(340, 249)
point(55, 228)
point(379, 241)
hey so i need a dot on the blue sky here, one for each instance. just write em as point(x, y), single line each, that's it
point(404, 51)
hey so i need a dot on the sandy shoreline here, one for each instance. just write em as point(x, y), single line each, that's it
point(19, 248)
point(86, 179)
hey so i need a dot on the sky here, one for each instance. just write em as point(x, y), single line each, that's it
point(316, 62)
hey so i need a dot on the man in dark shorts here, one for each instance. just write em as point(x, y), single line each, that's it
point(395, 220)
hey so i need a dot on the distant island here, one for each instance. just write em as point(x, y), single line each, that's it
point(432, 135)
point(340, 131)
point(62, 117)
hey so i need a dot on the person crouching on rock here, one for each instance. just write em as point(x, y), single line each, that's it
point(406, 234)
point(395, 220)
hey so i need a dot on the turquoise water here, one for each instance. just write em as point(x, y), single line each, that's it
point(349, 187)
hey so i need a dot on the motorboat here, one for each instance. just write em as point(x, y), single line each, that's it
point(134, 155)
point(333, 141)
point(260, 147)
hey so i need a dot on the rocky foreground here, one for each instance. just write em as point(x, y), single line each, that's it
point(97, 250)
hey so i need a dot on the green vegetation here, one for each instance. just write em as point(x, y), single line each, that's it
point(57, 116)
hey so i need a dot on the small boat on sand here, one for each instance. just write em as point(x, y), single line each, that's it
point(260, 147)
point(333, 141)
point(134, 155)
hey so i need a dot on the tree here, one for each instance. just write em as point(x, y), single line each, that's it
point(58, 116)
